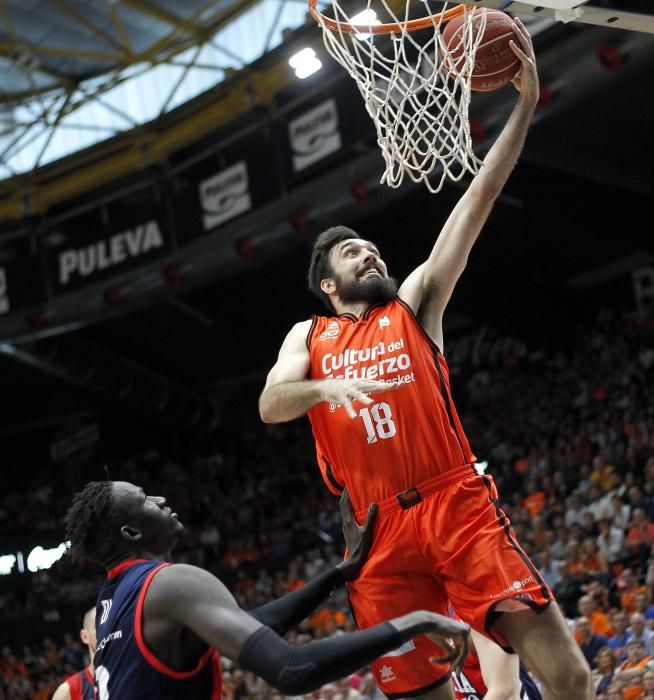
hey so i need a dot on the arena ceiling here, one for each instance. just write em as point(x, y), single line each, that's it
point(75, 72)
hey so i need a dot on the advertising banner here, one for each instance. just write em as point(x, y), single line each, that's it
point(314, 135)
point(225, 195)
point(88, 259)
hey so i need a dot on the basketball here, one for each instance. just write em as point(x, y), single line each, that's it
point(495, 62)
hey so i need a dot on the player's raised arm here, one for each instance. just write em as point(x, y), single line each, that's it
point(288, 394)
point(195, 599)
point(429, 288)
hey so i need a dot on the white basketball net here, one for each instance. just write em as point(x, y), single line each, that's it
point(420, 110)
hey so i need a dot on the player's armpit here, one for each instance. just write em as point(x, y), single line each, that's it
point(193, 598)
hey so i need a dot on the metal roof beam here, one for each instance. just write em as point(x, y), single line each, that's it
point(162, 15)
point(80, 19)
point(12, 49)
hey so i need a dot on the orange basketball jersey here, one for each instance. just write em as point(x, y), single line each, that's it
point(406, 436)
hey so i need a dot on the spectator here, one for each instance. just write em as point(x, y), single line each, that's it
point(597, 619)
point(614, 693)
point(630, 674)
point(610, 541)
point(629, 585)
point(645, 609)
point(618, 642)
point(640, 537)
point(589, 643)
point(620, 512)
point(592, 561)
point(638, 500)
point(550, 568)
point(534, 501)
point(602, 474)
point(638, 632)
point(559, 547)
point(603, 674)
point(574, 510)
point(648, 686)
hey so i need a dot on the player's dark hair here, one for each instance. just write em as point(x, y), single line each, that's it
point(320, 267)
point(90, 522)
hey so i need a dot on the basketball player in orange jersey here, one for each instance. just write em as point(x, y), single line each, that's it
point(80, 685)
point(375, 384)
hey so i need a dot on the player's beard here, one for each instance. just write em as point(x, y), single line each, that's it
point(369, 290)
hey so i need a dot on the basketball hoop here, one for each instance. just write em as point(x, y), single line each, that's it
point(418, 103)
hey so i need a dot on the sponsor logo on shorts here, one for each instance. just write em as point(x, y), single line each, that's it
point(386, 673)
point(515, 587)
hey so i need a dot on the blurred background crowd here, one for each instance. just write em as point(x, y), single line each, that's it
point(568, 436)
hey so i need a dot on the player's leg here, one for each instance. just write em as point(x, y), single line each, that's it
point(494, 587)
point(545, 644)
point(500, 671)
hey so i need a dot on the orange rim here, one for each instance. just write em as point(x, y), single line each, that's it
point(388, 28)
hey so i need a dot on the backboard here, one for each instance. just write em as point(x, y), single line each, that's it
point(632, 15)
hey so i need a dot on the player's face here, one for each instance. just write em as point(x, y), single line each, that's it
point(359, 273)
point(151, 516)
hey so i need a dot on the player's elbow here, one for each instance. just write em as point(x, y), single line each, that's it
point(486, 190)
point(266, 409)
point(299, 680)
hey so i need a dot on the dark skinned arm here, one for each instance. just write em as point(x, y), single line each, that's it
point(288, 611)
point(194, 599)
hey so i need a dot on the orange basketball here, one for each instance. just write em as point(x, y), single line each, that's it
point(495, 63)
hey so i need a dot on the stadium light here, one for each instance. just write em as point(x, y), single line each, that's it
point(40, 558)
point(366, 18)
point(305, 63)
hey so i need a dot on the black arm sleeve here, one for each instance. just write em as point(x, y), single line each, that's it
point(284, 613)
point(295, 670)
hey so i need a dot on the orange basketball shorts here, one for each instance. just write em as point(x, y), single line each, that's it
point(443, 543)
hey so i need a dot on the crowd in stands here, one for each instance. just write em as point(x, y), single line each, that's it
point(567, 434)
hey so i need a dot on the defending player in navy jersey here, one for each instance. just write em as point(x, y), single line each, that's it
point(80, 686)
point(160, 626)
point(504, 676)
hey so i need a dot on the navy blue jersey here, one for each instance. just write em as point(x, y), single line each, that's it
point(125, 669)
point(81, 685)
point(528, 689)
point(469, 684)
